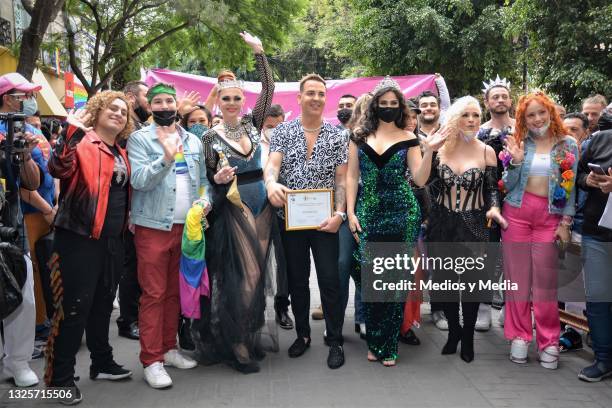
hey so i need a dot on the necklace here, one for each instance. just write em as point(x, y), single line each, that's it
point(233, 132)
point(312, 130)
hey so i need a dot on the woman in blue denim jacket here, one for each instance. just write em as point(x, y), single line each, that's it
point(540, 174)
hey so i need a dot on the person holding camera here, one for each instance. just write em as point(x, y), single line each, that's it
point(91, 220)
point(17, 170)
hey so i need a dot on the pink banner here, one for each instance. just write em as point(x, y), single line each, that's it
point(285, 93)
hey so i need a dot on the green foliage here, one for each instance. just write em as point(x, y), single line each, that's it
point(201, 35)
point(570, 46)
point(314, 46)
point(461, 39)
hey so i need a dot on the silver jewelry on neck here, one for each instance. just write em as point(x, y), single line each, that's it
point(313, 130)
point(233, 132)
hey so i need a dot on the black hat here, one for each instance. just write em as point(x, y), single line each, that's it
point(412, 106)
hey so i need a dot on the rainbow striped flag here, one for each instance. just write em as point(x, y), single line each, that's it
point(193, 273)
point(80, 94)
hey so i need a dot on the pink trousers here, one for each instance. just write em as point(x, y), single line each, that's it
point(530, 261)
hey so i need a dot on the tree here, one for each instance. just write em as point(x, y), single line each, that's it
point(127, 32)
point(42, 12)
point(461, 39)
point(570, 46)
point(313, 46)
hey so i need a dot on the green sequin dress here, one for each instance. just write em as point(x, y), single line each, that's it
point(388, 212)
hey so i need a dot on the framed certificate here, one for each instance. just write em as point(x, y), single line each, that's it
point(307, 209)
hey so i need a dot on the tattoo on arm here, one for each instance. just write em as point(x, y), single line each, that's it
point(340, 198)
point(271, 175)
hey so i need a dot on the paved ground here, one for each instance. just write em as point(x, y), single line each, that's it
point(422, 378)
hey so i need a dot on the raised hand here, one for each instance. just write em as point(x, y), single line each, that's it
point(169, 142)
point(436, 140)
point(188, 102)
point(516, 150)
point(253, 42)
point(79, 118)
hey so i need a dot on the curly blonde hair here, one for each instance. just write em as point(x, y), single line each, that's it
point(101, 101)
point(453, 114)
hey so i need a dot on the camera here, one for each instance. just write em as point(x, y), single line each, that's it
point(14, 145)
point(8, 234)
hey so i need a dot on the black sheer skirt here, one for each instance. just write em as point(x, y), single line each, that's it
point(236, 327)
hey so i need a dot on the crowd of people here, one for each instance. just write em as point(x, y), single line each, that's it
point(117, 185)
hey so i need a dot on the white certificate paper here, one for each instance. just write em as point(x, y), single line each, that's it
point(307, 209)
point(606, 217)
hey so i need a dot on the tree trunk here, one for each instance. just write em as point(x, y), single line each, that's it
point(43, 13)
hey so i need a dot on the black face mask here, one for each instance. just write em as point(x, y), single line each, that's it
point(142, 113)
point(344, 115)
point(388, 115)
point(164, 118)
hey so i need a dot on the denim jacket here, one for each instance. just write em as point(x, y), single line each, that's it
point(154, 182)
point(515, 177)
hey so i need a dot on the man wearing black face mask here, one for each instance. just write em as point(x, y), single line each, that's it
point(136, 92)
point(345, 109)
point(129, 290)
point(168, 175)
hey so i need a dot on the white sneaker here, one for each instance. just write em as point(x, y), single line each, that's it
point(483, 322)
point(502, 316)
point(439, 320)
point(156, 376)
point(175, 359)
point(518, 351)
point(23, 377)
point(549, 357)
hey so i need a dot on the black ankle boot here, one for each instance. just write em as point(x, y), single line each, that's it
point(470, 314)
point(467, 348)
point(451, 344)
point(451, 311)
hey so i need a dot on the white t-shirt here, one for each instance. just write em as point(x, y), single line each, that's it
point(183, 186)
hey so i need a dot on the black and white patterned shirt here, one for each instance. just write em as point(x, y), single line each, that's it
point(298, 173)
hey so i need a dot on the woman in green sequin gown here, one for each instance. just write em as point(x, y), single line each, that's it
point(383, 208)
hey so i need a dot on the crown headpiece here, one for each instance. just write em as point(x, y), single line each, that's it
point(231, 83)
point(496, 82)
point(387, 83)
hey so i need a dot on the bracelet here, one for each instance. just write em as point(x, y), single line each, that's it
point(567, 221)
point(513, 164)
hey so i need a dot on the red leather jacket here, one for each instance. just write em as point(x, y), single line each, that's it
point(84, 165)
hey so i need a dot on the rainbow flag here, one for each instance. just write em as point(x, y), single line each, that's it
point(193, 273)
point(80, 94)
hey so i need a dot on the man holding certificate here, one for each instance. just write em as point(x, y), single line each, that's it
point(305, 179)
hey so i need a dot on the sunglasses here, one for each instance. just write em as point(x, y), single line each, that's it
point(22, 96)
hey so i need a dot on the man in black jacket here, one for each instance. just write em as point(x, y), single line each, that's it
point(597, 251)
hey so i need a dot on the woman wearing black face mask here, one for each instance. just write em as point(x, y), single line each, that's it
point(384, 208)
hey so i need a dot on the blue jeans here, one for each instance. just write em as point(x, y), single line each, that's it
point(597, 261)
point(347, 245)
